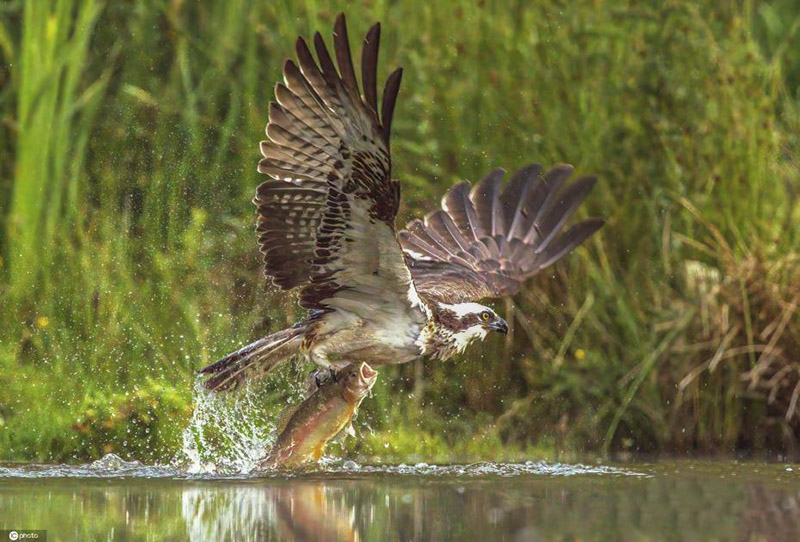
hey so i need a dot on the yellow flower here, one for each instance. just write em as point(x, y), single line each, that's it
point(42, 322)
point(580, 353)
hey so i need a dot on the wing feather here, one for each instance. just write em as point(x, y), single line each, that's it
point(486, 198)
point(568, 202)
point(542, 196)
point(486, 242)
point(341, 45)
point(515, 197)
point(390, 91)
point(564, 243)
point(369, 67)
point(457, 204)
point(327, 218)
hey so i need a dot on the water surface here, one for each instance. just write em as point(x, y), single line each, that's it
point(682, 501)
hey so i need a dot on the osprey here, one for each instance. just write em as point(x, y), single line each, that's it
point(326, 227)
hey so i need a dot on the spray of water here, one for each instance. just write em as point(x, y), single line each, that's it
point(228, 433)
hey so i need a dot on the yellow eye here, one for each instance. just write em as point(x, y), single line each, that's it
point(486, 316)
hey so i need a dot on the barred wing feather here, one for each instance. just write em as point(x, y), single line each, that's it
point(326, 220)
point(487, 240)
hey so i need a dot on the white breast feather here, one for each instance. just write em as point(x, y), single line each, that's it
point(465, 338)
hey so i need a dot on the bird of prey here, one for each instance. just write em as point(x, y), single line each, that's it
point(326, 227)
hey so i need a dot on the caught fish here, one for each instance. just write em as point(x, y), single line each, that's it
point(305, 430)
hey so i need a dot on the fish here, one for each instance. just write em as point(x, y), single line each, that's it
point(305, 430)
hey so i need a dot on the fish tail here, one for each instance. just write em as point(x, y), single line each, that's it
point(254, 360)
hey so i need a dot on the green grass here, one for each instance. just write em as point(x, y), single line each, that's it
point(128, 144)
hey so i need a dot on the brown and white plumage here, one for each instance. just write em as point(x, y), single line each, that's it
point(326, 227)
point(326, 220)
point(485, 242)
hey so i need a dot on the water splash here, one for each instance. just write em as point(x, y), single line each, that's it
point(485, 468)
point(114, 467)
point(228, 433)
point(113, 462)
point(110, 466)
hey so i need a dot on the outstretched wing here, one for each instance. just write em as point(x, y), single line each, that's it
point(485, 242)
point(326, 220)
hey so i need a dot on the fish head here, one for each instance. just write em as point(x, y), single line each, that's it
point(357, 379)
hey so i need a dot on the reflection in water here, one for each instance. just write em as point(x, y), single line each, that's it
point(702, 502)
point(300, 511)
point(770, 516)
point(246, 512)
point(314, 512)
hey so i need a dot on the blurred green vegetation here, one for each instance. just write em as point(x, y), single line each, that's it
point(128, 144)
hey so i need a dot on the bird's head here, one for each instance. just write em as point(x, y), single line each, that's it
point(469, 321)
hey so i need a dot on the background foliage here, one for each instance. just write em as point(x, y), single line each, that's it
point(128, 144)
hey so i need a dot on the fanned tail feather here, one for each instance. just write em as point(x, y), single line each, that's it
point(254, 360)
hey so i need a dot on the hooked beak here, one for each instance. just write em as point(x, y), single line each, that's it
point(499, 325)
